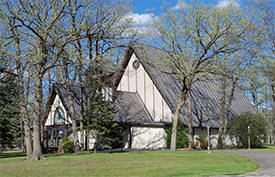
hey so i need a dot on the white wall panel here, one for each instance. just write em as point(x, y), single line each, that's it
point(148, 138)
point(158, 105)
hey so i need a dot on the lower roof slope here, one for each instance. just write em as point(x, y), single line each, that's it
point(131, 109)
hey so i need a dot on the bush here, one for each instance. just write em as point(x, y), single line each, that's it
point(194, 144)
point(65, 139)
point(99, 120)
point(68, 147)
point(202, 138)
point(203, 141)
point(113, 138)
point(182, 138)
point(204, 145)
point(258, 130)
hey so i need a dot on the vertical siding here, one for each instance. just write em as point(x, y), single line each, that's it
point(158, 105)
point(139, 81)
point(149, 102)
point(166, 111)
point(132, 76)
point(123, 85)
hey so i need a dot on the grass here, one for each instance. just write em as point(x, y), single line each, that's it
point(266, 148)
point(144, 163)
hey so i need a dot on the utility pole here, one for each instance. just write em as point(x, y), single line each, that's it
point(248, 137)
point(208, 133)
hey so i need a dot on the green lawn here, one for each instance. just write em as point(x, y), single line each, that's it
point(144, 163)
point(266, 148)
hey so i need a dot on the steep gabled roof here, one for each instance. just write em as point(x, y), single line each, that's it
point(60, 90)
point(205, 94)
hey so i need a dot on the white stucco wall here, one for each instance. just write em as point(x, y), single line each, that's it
point(148, 138)
point(57, 103)
point(229, 141)
point(137, 80)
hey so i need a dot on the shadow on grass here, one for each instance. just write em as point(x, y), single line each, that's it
point(10, 154)
point(264, 147)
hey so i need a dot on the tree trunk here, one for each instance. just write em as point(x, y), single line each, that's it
point(23, 115)
point(222, 113)
point(37, 153)
point(22, 136)
point(27, 138)
point(273, 110)
point(73, 117)
point(71, 109)
point(27, 132)
point(22, 100)
point(79, 73)
point(56, 136)
point(87, 136)
point(190, 125)
point(52, 137)
point(95, 144)
point(82, 143)
point(175, 119)
point(227, 112)
point(74, 129)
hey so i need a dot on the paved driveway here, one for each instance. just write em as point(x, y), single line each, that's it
point(265, 159)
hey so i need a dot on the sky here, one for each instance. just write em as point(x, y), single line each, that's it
point(143, 6)
point(144, 10)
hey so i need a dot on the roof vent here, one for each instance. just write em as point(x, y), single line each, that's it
point(136, 64)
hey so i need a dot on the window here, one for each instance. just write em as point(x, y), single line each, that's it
point(59, 116)
point(136, 64)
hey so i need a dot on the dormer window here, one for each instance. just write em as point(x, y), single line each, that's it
point(59, 116)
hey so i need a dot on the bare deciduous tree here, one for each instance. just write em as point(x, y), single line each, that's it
point(193, 37)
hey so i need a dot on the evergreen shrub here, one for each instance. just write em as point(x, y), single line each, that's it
point(182, 138)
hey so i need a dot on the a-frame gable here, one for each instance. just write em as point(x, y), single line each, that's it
point(53, 104)
point(136, 79)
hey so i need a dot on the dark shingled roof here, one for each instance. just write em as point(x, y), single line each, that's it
point(205, 94)
point(131, 109)
point(75, 93)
